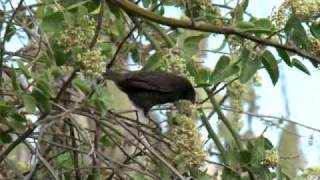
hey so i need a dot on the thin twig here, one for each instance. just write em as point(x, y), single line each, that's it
point(66, 84)
point(271, 117)
point(2, 47)
point(99, 25)
point(152, 151)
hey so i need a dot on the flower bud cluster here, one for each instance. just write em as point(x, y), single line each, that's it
point(186, 138)
point(280, 17)
point(207, 11)
point(271, 158)
point(172, 61)
point(236, 92)
point(304, 9)
point(77, 35)
point(76, 38)
point(91, 62)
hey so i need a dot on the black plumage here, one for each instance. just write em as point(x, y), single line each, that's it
point(146, 89)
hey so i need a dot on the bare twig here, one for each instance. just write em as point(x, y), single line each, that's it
point(47, 165)
point(99, 25)
point(66, 84)
point(2, 47)
point(152, 151)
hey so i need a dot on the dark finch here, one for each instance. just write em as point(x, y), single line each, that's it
point(146, 89)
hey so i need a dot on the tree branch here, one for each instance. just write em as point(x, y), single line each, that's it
point(205, 27)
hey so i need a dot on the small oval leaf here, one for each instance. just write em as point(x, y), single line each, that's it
point(271, 65)
point(284, 55)
point(248, 66)
point(29, 103)
point(296, 63)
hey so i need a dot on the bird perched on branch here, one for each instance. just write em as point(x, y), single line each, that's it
point(146, 89)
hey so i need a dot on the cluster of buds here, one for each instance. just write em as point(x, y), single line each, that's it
point(236, 92)
point(186, 138)
point(174, 62)
point(91, 62)
point(78, 35)
point(271, 158)
point(76, 38)
point(304, 9)
point(280, 17)
point(208, 11)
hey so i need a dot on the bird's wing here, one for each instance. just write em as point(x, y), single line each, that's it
point(148, 85)
point(151, 83)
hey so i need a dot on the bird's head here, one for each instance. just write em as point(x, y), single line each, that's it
point(189, 94)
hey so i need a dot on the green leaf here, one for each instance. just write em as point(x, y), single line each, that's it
point(297, 33)
point(244, 4)
point(101, 99)
point(24, 70)
point(45, 87)
point(18, 121)
point(238, 11)
point(284, 55)
point(29, 103)
point(65, 161)
point(296, 63)
point(248, 66)
point(256, 26)
point(154, 62)
point(227, 174)
point(6, 109)
point(14, 80)
point(164, 172)
point(191, 45)
point(223, 70)
point(202, 76)
point(245, 157)
point(139, 177)
point(263, 23)
point(53, 23)
point(257, 147)
point(77, 5)
point(42, 100)
point(60, 56)
point(105, 140)
point(69, 18)
point(82, 11)
point(271, 64)
point(5, 138)
point(245, 25)
point(82, 85)
point(315, 30)
point(223, 63)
